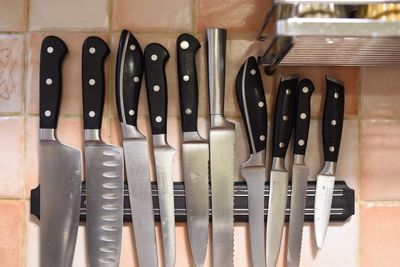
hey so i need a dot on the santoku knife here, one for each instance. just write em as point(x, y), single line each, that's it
point(104, 164)
point(331, 135)
point(129, 74)
point(60, 167)
point(195, 149)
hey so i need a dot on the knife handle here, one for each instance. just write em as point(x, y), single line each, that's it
point(285, 108)
point(333, 118)
point(251, 98)
point(128, 78)
point(52, 54)
point(302, 122)
point(94, 53)
point(155, 57)
point(187, 46)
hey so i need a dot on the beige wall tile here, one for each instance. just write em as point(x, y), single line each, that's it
point(13, 15)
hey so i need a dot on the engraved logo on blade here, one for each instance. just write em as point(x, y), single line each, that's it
point(163, 179)
point(194, 177)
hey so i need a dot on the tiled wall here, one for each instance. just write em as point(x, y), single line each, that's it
point(369, 156)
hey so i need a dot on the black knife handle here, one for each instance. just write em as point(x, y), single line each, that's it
point(285, 108)
point(52, 54)
point(155, 57)
point(251, 98)
point(128, 77)
point(333, 118)
point(186, 48)
point(94, 53)
point(303, 113)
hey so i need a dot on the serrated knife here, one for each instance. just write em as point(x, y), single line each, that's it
point(332, 126)
point(104, 163)
point(129, 74)
point(60, 168)
point(195, 149)
point(300, 172)
point(251, 99)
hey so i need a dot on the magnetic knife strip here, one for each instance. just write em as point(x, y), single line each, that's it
point(342, 203)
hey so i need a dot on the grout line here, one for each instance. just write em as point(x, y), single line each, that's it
point(381, 202)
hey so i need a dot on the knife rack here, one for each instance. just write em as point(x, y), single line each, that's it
point(342, 203)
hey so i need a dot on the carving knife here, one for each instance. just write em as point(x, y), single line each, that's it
point(60, 166)
point(331, 135)
point(129, 74)
point(222, 143)
point(251, 99)
point(195, 149)
point(300, 172)
point(282, 131)
point(156, 57)
point(104, 164)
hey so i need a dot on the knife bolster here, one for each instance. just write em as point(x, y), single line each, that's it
point(299, 159)
point(278, 164)
point(219, 121)
point(47, 134)
point(92, 135)
point(329, 168)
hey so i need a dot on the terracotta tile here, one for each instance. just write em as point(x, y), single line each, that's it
point(379, 235)
point(11, 73)
point(12, 233)
point(69, 15)
point(153, 15)
point(128, 249)
point(13, 15)
point(379, 91)
point(71, 102)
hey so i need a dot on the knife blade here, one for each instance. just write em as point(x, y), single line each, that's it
point(222, 143)
point(60, 167)
point(251, 99)
point(104, 163)
point(331, 136)
point(300, 172)
point(282, 131)
point(156, 56)
point(195, 149)
point(129, 74)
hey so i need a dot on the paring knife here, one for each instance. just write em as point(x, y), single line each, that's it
point(300, 172)
point(194, 148)
point(60, 166)
point(222, 144)
point(282, 131)
point(104, 164)
point(156, 57)
point(129, 74)
point(251, 99)
point(331, 135)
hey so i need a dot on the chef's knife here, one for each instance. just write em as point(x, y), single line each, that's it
point(104, 164)
point(251, 99)
point(282, 131)
point(156, 57)
point(299, 172)
point(222, 144)
point(195, 149)
point(60, 166)
point(129, 74)
point(331, 134)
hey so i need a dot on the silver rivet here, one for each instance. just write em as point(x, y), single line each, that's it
point(305, 89)
point(92, 50)
point(260, 104)
point(285, 118)
point(136, 79)
point(186, 78)
point(156, 88)
point(331, 148)
point(92, 81)
point(188, 111)
point(132, 47)
point(47, 113)
point(262, 137)
point(158, 119)
point(50, 49)
point(301, 142)
point(92, 114)
point(303, 116)
point(154, 57)
point(49, 81)
point(281, 145)
point(336, 95)
point(333, 122)
point(253, 72)
point(131, 112)
point(184, 45)
point(288, 91)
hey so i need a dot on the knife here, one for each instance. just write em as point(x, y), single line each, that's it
point(60, 166)
point(251, 99)
point(129, 74)
point(222, 144)
point(282, 131)
point(156, 56)
point(104, 163)
point(300, 172)
point(331, 135)
point(195, 149)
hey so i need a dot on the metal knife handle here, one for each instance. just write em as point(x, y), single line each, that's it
point(251, 98)
point(187, 46)
point(94, 53)
point(216, 41)
point(333, 118)
point(156, 56)
point(128, 77)
point(302, 122)
point(52, 54)
point(284, 116)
